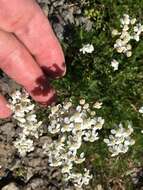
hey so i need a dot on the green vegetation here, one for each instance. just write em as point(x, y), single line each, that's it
point(91, 76)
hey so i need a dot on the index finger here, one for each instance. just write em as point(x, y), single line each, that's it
point(30, 25)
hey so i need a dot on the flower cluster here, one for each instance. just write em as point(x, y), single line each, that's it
point(130, 31)
point(79, 179)
point(88, 48)
point(24, 145)
point(24, 114)
point(73, 126)
point(120, 140)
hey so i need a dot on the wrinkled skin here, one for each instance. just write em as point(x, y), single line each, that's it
point(29, 50)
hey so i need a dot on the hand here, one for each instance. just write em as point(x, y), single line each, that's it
point(29, 50)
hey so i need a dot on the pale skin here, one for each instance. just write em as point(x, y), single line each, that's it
point(29, 51)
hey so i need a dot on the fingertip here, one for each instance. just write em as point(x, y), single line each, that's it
point(53, 73)
point(42, 92)
point(44, 102)
point(63, 72)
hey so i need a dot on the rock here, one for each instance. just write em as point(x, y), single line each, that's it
point(6, 156)
point(37, 183)
point(63, 14)
point(7, 131)
point(7, 85)
point(11, 186)
point(137, 177)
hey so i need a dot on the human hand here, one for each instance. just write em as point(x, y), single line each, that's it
point(29, 50)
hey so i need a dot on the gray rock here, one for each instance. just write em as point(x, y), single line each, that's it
point(37, 183)
point(11, 186)
point(6, 157)
point(7, 130)
point(69, 12)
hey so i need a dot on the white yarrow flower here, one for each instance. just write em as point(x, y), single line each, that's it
point(26, 118)
point(24, 145)
point(141, 110)
point(130, 30)
point(88, 48)
point(72, 125)
point(120, 140)
point(115, 32)
point(97, 105)
point(115, 64)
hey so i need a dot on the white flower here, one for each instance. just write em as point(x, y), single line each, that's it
point(125, 20)
point(97, 105)
point(81, 179)
point(124, 34)
point(67, 105)
point(92, 113)
point(32, 129)
point(86, 106)
point(141, 110)
point(80, 159)
point(120, 140)
point(128, 47)
point(54, 128)
point(66, 120)
point(118, 43)
point(25, 116)
point(72, 125)
point(125, 27)
point(74, 142)
point(126, 39)
point(24, 145)
point(88, 48)
point(136, 37)
point(100, 122)
point(54, 109)
point(31, 118)
point(78, 108)
point(115, 64)
point(138, 28)
point(133, 21)
point(129, 31)
point(82, 101)
point(68, 165)
point(115, 32)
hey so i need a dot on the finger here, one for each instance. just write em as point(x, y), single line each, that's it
point(5, 110)
point(27, 21)
point(16, 61)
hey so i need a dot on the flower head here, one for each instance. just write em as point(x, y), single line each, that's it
point(88, 48)
point(115, 64)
